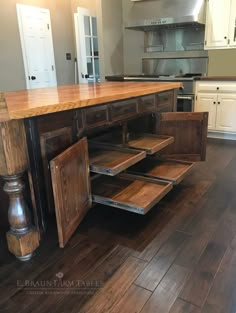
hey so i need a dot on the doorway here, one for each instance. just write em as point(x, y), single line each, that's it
point(87, 46)
point(37, 46)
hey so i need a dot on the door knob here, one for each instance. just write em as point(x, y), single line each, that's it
point(33, 77)
point(86, 75)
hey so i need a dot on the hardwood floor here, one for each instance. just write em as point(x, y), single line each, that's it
point(179, 258)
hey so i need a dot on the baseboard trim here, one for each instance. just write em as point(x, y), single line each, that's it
point(224, 136)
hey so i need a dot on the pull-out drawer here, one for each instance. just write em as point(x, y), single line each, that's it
point(147, 104)
point(147, 142)
point(129, 192)
point(108, 160)
point(165, 101)
point(123, 109)
point(169, 170)
point(97, 116)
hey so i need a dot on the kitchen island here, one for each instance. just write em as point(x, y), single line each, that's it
point(43, 143)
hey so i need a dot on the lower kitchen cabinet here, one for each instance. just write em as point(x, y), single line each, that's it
point(128, 171)
point(219, 99)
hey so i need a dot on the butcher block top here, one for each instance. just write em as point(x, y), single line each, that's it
point(28, 103)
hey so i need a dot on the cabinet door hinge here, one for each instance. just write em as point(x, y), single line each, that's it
point(205, 42)
point(48, 26)
point(196, 98)
point(228, 41)
point(52, 68)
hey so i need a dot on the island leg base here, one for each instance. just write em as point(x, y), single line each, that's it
point(23, 245)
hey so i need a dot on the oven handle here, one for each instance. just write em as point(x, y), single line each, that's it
point(185, 97)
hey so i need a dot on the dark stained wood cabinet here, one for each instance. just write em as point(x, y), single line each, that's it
point(133, 167)
point(71, 188)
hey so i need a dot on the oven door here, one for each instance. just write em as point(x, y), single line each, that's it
point(185, 103)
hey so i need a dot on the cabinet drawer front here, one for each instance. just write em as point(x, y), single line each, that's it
point(96, 116)
point(123, 109)
point(165, 101)
point(147, 104)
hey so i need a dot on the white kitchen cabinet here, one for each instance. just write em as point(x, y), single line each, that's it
point(207, 103)
point(220, 24)
point(226, 112)
point(219, 99)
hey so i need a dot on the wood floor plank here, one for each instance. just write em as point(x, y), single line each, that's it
point(157, 268)
point(116, 287)
point(133, 301)
point(180, 306)
point(167, 291)
point(193, 248)
point(182, 205)
point(200, 281)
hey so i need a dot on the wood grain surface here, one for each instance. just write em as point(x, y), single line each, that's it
point(28, 103)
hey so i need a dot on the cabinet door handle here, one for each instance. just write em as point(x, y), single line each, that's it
point(218, 102)
point(214, 102)
point(217, 88)
point(225, 37)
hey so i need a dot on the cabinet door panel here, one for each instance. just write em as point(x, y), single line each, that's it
point(52, 143)
point(226, 113)
point(71, 188)
point(217, 23)
point(189, 131)
point(207, 103)
point(232, 25)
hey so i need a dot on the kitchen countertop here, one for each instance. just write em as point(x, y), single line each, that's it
point(217, 78)
point(29, 103)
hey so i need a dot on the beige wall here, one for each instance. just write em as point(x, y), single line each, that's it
point(110, 32)
point(222, 62)
point(133, 44)
point(11, 62)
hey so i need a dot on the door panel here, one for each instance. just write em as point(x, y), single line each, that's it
point(189, 131)
point(207, 103)
point(71, 188)
point(217, 32)
point(87, 45)
point(37, 46)
point(226, 113)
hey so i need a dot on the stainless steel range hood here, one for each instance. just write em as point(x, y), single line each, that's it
point(148, 15)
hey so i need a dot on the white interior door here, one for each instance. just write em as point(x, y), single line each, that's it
point(87, 46)
point(37, 46)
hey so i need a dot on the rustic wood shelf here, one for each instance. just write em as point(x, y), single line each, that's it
point(129, 192)
point(169, 170)
point(149, 143)
point(111, 161)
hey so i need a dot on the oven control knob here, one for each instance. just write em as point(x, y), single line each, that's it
point(181, 88)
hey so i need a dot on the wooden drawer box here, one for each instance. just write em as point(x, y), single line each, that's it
point(123, 109)
point(129, 192)
point(108, 160)
point(94, 117)
point(165, 101)
point(169, 170)
point(147, 104)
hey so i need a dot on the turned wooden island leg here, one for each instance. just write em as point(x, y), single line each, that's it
point(22, 238)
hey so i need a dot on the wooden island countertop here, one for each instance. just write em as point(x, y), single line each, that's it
point(29, 103)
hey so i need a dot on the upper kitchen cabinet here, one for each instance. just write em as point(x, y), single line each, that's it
point(220, 24)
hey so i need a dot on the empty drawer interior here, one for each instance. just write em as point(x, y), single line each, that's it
point(169, 170)
point(110, 160)
point(129, 192)
point(147, 142)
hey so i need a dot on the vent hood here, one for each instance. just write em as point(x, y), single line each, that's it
point(148, 15)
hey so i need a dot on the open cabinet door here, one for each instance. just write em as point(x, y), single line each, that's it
point(71, 188)
point(189, 131)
